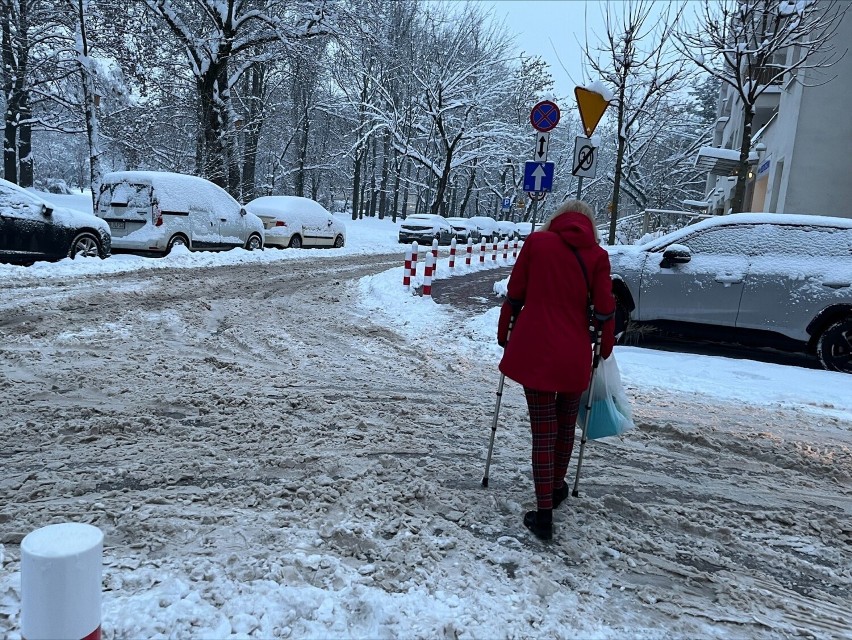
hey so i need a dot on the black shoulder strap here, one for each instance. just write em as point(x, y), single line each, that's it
point(585, 273)
point(592, 313)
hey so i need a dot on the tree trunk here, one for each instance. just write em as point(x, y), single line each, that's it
point(441, 188)
point(356, 184)
point(619, 161)
point(10, 147)
point(254, 123)
point(383, 187)
point(738, 201)
point(373, 192)
point(25, 145)
point(91, 115)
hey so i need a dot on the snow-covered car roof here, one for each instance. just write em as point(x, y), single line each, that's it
point(750, 218)
point(177, 191)
point(283, 205)
point(484, 221)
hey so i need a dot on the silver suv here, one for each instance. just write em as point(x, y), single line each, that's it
point(764, 279)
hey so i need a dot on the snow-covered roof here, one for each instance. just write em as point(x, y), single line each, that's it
point(720, 161)
point(177, 191)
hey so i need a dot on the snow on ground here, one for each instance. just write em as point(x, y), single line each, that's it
point(297, 453)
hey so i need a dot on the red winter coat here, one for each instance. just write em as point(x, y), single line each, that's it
point(549, 348)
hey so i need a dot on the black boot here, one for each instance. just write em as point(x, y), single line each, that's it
point(560, 494)
point(540, 523)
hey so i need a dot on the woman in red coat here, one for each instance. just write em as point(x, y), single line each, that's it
point(549, 350)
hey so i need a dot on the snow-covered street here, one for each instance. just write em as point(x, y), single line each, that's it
point(288, 444)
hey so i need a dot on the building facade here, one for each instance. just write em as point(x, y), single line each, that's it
point(801, 150)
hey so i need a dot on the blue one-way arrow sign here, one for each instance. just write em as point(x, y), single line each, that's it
point(538, 176)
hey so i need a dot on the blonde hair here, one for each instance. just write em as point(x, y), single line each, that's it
point(576, 206)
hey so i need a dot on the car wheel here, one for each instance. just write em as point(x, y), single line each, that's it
point(86, 245)
point(338, 241)
point(254, 242)
point(295, 242)
point(177, 241)
point(834, 347)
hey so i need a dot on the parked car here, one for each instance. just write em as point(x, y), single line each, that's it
point(32, 228)
point(487, 227)
point(465, 229)
point(292, 221)
point(425, 227)
point(773, 280)
point(523, 229)
point(151, 212)
point(507, 230)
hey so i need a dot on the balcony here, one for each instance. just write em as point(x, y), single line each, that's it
point(721, 162)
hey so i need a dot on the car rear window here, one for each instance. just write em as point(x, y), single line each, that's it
point(125, 194)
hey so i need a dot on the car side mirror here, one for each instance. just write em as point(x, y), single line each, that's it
point(46, 211)
point(675, 254)
point(242, 211)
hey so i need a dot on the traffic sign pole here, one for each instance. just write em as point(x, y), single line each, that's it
point(580, 188)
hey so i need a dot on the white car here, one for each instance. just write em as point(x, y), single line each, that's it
point(292, 221)
point(487, 227)
point(152, 211)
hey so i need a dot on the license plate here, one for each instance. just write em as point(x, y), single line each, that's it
point(116, 224)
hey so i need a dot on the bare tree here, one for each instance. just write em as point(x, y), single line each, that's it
point(634, 60)
point(222, 40)
point(753, 45)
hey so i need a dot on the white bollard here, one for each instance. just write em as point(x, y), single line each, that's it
point(61, 574)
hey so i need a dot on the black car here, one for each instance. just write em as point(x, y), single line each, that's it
point(425, 227)
point(33, 229)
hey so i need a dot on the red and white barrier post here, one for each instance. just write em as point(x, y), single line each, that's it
point(427, 276)
point(506, 249)
point(494, 251)
point(452, 254)
point(482, 252)
point(435, 255)
point(406, 269)
point(469, 251)
point(414, 259)
point(515, 249)
point(61, 575)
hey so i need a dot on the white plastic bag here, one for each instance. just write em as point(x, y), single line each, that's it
point(611, 414)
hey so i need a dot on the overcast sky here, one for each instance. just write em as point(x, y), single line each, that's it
point(554, 30)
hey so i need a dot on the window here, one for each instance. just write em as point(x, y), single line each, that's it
point(733, 240)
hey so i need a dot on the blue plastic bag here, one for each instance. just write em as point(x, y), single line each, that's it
point(611, 414)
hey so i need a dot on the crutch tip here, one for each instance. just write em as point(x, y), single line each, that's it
point(575, 494)
point(485, 482)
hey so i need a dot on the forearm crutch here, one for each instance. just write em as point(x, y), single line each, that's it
point(496, 411)
point(595, 361)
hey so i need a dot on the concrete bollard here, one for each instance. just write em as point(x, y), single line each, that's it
point(469, 251)
point(482, 252)
point(406, 269)
point(435, 255)
point(427, 276)
point(452, 254)
point(494, 251)
point(515, 250)
point(505, 249)
point(61, 574)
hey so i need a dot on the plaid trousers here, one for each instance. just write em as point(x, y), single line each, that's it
point(553, 417)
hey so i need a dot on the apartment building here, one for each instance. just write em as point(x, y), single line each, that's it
point(801, 150)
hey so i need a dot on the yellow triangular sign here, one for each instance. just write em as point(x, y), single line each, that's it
point(592, 106)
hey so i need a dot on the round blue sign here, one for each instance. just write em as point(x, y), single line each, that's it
point(544, 116)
